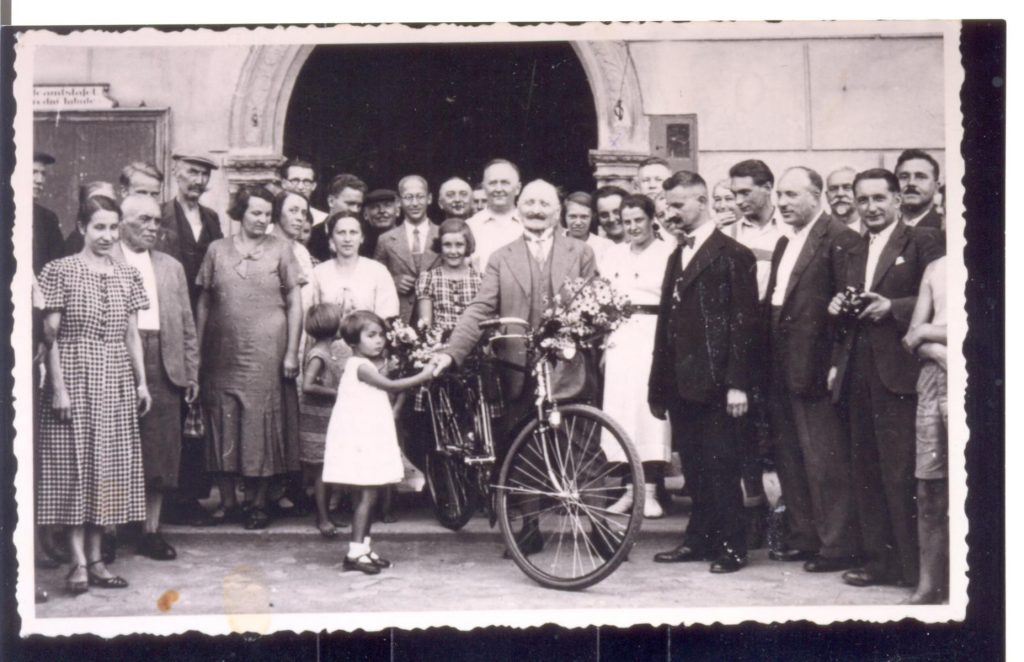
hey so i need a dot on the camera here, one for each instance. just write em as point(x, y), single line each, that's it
point(853, 303)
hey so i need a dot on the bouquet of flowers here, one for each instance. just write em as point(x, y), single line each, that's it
point(583, 316)
point(411, 348)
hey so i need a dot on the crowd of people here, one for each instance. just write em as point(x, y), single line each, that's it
point(796, 322)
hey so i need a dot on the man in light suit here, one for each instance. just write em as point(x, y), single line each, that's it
point(701, 372)
point(187, 229)
point(812, 453)
point(170, 356)
point(875, 380)
point(519, 276)
point(406, 250)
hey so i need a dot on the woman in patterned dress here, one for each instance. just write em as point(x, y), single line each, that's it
point(89, 447)
point(248, 318)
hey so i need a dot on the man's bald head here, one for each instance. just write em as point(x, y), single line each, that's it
point(538, 206)
point(140, 222)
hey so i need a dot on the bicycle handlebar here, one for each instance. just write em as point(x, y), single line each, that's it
point(503, 321)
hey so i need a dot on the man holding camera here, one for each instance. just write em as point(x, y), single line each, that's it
point(875, 380)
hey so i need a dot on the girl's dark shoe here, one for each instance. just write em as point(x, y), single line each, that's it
point(104, 582)
point(363, 564)
point(76, 587)
point(256, 518)
point(379, 561)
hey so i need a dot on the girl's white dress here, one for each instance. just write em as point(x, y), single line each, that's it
point(629, 355)
point(362, 447)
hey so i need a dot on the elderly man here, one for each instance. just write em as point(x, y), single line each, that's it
point(381, 212)
point(187, 229)
point(918, 174)
point(650, 174)
point(407, 250)
point(812, 453)
point(499, 222)
point(170, 355)
point(519, 276)
point(298, 176)
point(47, 240)
point(839, 192)
point(701, 372)
point(875, 380)
point(344, 193)
point(607, 204)
point(455, 198)
point(140, 178)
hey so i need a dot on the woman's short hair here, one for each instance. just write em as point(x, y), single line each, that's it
point(333, 219)
point(279, 201)
point(353, 325)
point(93, 204)
point(241, 201)
point(455, 226)
point(583, 199)
point(94, 188)
point(641, 202)
point(323, 320)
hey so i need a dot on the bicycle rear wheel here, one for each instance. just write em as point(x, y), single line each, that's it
point(453, 489)
point(557, 483)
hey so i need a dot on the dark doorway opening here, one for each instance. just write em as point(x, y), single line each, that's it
point(438, 110)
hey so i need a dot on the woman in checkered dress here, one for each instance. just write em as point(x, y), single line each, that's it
point(89, 448)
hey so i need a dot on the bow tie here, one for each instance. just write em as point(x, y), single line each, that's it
point(688, 240)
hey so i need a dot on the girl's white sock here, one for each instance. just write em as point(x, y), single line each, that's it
point(357, 549)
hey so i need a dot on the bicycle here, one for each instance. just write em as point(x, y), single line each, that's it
point(563, 470)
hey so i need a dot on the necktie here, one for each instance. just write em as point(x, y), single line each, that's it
point(536, 247)
point(417, 250)
point(688, 240)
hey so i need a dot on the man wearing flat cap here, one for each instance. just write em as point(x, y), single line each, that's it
point(47, 240)
point(380, 214)
point(187, 229)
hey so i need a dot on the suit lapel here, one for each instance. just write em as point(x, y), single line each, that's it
point(184, 229)
point(430, 256)
point(561, 259)
point(807, 254)
point(890, 252)
point(704, 256)
point(400, 246)
point(519, 264)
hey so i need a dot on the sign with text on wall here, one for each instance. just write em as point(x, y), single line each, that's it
point(72, 97)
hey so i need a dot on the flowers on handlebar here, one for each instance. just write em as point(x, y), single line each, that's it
point(583, 315)
point(410, 348)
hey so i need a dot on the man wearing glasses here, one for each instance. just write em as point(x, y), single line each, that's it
point(298, 176)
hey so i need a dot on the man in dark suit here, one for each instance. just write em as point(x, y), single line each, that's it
point(875, 380)
point(701, 372)
point(47, 240)
point(812, 454)
point(406, 250)
point(187, 229)
point(918, 174)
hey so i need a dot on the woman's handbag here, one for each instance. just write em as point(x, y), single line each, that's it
point(193, 427)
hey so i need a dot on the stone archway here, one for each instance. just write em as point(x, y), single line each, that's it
point(260, 104)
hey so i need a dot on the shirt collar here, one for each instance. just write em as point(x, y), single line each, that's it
point(544, 237)
point(805, 230)
point(882, 238)
point(917, 219)
point(701, 234)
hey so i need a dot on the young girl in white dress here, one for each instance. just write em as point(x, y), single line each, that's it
point(362, 447)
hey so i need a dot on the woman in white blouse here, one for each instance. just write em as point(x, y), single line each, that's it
point(636, 269)
point(350, 280)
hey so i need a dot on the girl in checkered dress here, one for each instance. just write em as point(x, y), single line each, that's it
point(89, 448)
point(442, 293)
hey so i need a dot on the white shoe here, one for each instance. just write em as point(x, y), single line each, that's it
point(624, 503)
point(652, 509)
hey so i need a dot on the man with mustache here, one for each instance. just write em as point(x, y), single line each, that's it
point(170, 357)
point(875, 381)
point(918, 174)
point(455, 198)
point(520, 276)
point(380, 214)
point(187, 229)
point(47, 240)
point(839, 192)
point(406, 249)
point(499, 222)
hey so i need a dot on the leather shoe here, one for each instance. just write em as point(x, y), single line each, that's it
point(728, 563)
point(155, 547)
point(681, 554)
point(363, 564)
point(864, 577)
point(529, 541)
point(829, 563)
point(792, 555)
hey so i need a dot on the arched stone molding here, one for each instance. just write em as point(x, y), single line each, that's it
point(264, 89)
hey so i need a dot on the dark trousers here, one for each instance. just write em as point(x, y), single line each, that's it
point(883, 455)
point(709, 443)
point(812, 458)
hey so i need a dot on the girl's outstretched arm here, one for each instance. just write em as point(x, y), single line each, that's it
point(309, 377)
point(369, 375)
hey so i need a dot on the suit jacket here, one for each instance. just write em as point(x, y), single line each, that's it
point(506, 292)
point(176, 239)
point(179, 348)
point(805, 333)
point(393, 252)
point(707, 324)
point(47, 240)
point(933, 219)
point(898, 278)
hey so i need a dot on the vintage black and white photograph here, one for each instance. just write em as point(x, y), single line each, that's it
point(608, 324)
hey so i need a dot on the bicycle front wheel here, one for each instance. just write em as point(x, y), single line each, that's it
point(554, 497)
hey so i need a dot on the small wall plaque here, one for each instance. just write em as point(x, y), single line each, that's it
point(72, 97)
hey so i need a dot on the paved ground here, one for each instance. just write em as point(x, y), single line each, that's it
point(289, 568)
